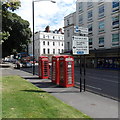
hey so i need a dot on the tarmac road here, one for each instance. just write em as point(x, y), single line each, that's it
point(103, 82)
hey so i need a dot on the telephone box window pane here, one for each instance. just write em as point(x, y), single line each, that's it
point(45, 68)
point(54, 71)
point(69, 72)
point(62, 72)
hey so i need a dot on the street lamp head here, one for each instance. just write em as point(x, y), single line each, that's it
point(53, 1)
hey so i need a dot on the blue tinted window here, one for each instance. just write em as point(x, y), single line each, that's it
point(90, 27)
point(115, 37)
point(80, 6)
point(101, 9)
point(80, 19)
point(90, 14)
point(115, 20)
point(101, 25)
point(89, 4)
point(90, 41)
point(101, 40)
point(115, 4)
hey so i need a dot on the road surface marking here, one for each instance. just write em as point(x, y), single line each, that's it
point(110, 76)
point(90, 86)
point(93, 87)
point(103, 79)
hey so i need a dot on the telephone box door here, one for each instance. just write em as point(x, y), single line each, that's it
point(55, 69)
point(66, 65)
point(43, 67)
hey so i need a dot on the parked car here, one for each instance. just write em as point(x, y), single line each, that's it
point(7, 59)
point(32, 61)
point(27, 64)
point(14, 61)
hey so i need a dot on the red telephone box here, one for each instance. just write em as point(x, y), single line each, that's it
point(66, 68)
point(55, 69)
point(43, 67)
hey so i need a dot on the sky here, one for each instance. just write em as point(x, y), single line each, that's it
point(46, 13)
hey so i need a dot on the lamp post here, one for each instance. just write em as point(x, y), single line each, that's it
point(33, 30)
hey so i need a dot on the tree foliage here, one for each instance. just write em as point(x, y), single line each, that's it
point(10, 4)
point(17, 28)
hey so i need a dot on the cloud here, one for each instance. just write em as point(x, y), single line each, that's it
point(46, 13)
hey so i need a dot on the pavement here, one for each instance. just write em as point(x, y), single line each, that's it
point(93, 105)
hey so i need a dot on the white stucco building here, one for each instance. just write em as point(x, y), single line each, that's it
point(47, 44)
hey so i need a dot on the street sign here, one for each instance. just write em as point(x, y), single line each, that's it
point(81, 30)
point(80, 45)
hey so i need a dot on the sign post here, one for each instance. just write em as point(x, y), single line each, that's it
point(80, 46)
point(84, 72)
point(80, 74)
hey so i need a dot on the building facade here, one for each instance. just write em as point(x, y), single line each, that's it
point(69, 23)
point(47, 44)
point(103, 22)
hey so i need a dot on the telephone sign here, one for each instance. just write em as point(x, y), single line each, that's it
point(80, 45)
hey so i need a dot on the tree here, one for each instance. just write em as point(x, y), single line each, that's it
point(17, 29)
point(11, 5)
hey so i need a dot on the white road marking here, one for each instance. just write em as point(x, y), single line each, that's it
point(103, 79)
point(104, 75)
point(90, 86)
point(94, 87)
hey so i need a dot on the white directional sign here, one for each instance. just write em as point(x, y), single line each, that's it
point(81, 30)
point(80, 45)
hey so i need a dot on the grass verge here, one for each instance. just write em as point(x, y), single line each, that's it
point(21, 99)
